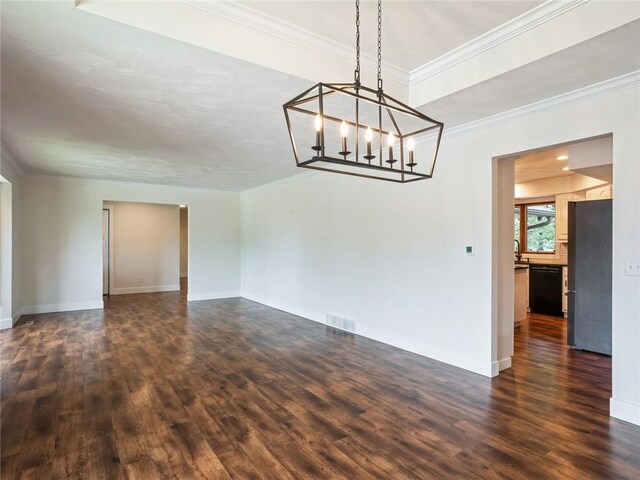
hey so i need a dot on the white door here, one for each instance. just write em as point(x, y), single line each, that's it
point(105, 252)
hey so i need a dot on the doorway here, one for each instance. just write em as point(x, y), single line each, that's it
point(6, 254)
point(144, 248)
point(541, 196)
point(106, 250)
point(184, 248)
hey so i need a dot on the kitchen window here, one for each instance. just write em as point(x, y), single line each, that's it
point(535, 227)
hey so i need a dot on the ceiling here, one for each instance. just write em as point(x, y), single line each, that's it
point(413, 33)
point(84, 96)
point(541, 164)
point(90, 97)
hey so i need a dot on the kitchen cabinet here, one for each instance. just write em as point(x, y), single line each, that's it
point(562, 208)
point(520, 295)
point(562, 216)
point(528, 307)
point(600, 193)
point(565, 289)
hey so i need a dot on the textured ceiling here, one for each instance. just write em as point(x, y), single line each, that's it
point(84, 96)
point(414, 33)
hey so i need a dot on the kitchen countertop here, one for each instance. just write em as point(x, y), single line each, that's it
point(528, 264)
point(551, 261)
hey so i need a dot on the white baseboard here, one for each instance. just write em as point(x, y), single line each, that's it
point(417, 347)
point(9, 322)
point(497, 367)
point(624, 411)
point(62, 307)
point(194, 297)
point(152, 289)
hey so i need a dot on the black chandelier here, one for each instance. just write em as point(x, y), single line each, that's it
point(400, 143)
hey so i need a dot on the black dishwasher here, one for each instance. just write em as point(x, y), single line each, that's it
point(545, 289)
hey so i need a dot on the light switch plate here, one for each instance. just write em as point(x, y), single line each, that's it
point(632, 266)
point(470, 250)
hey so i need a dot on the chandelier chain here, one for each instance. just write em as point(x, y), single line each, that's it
point(380, 45)
point(357, 72)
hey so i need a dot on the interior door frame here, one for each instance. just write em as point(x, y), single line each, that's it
point(110, 208)
point(502, 278)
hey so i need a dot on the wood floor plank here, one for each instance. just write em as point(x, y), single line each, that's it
point(152, 388)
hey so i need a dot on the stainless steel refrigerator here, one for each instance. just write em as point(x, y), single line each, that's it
point(590, 275)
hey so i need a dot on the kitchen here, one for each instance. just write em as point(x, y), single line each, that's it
point(562, 238)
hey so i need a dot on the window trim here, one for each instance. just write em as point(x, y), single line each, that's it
point(524, 248)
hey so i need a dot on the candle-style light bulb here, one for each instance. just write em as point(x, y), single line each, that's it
point(318, 125)
point(391, 139)
point(344, 131)
point(411, 144)
point(368, 136)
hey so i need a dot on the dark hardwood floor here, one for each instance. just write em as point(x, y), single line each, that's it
point(154, 387)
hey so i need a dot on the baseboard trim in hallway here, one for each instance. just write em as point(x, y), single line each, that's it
point(151, 289)
point(625, 411)
point(62, 307)
point(196, 297)
point(500, 365)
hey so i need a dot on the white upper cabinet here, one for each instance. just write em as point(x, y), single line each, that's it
point(562, 216)
point(600, 193)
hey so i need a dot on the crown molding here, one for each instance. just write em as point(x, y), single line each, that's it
point(517, 26)
point(9, 158)
point(270, 25)
point(628, 80)
point(607, 87)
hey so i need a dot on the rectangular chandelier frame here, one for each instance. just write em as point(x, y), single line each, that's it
point(312, 102)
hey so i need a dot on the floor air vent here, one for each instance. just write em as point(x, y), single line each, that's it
point(343, 323)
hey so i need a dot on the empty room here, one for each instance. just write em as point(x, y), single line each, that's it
point(368, 239)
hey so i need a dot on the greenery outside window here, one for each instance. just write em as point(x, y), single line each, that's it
point(535, 227)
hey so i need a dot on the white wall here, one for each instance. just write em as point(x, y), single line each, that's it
point(393, 255)
point(592, 153)
point(184, 242)
point(146, 247)
point(62, 269)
